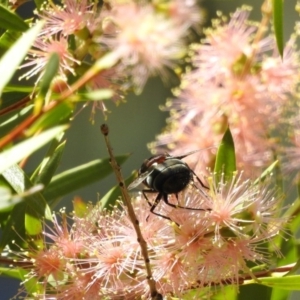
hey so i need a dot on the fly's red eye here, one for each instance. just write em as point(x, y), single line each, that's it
point(157, 159)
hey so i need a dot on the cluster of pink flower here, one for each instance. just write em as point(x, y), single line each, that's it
point(147, 38)
point(100, 254)
point(238, 80)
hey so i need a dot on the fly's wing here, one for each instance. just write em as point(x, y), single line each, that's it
point(192, 152)
point(139, 180)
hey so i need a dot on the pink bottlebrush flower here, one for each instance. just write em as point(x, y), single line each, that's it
point(224, 45)
point(69, 246)
point(185, 12)
point(234, 83)
point(49, 262)
point(280, 75)
point(290, 151)
point(240, 204)
point(203, 248)
point(107, 79)
point(42, 50)
point(146, 41)
point(70, 18)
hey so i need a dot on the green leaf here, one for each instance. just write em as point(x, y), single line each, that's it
point(290, 283)
point(58, 115)
point(279, 294)
point(10, 272)
point(225, 159)
point(33, 207)
point(97, 95)
point(78, 177)
point(7, 39)
point(293, 215)
point(24, 149)
point(18, 88)
point(226, 292)
point(17, 179)
point(31, 283)
point(105, 62)
point(278, 23)
point(257, 292)
point(50, 164)
point(10, 120)
point(9, 20)
point(39, 3)
point(109, 199)
point(6, 199)
point(267, 172)
point(14, 229)
point(33, 223)
point(20, 182)
point(50, 72)
point(12, 58)
point(295, 268)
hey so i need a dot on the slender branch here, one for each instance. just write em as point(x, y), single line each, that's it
point(16, 105)
point(266, 9)
point(127, 201)
point(25, 124)
point(105, 62)
point(242, 278)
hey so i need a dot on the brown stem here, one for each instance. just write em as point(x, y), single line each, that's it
point(18, 104)
point(242, 278)
point(266, 12)
point(25, 124)
point(127, 201)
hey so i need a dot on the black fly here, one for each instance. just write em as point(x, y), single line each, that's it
point(165, 174)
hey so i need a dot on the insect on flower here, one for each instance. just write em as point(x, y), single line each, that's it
point(165, 174)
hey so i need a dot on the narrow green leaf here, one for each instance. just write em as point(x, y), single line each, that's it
point(278, 23)
point(9, 20)
point(7, 39)
point(33, 207)
point(287, 283)
point(6, 199)
point(78, 177)
point(12, 58)
point(20, 182)
point(10, 272)
point(225, 159)
point(227, 292)
point(12, 119)
point(50, 72)
point(293, 214)
point(11, 88)
point(257, 292)
point(279, 294)
point(97, 95)
point(39, 4)
point(14, 229)
point(31, 283)
point(50, 152)
point(106, 61)
point(267, 172)
point(17, 179)
point(50, 164)
point(58, 115)
point(295, 268)
point(109, 199)
point(24, 149)
point(33, 223)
